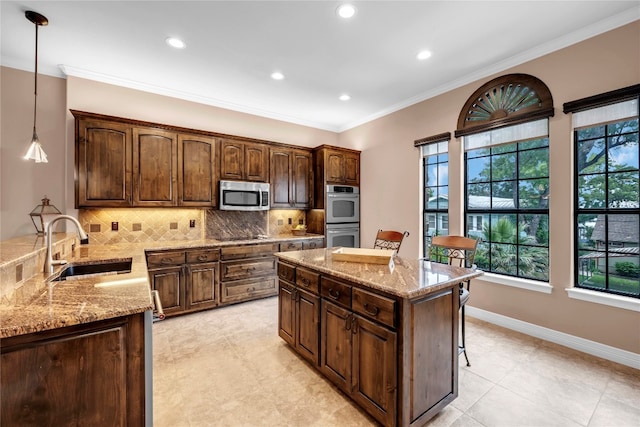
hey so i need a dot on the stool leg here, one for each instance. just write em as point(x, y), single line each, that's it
point(464, 345)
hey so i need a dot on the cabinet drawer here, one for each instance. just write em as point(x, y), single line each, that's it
point(313, 244)
point(290, 246)
point(249, 251)
point(287, 272)
point(307, 280)
point(336, 291)
point(236, 270)
point(242, 290)
point(163, 259)
point(374, 306)
point(203, 255)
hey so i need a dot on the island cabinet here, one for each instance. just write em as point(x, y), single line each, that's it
point(291, 178)
point(247, 272)
point(387, 339)
point(299, 310)
point(187, 280)
point(89, 374)
point(244, 160)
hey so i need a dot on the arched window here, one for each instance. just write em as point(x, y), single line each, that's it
point(504, 125)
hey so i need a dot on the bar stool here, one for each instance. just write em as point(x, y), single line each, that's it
point(389, 239)
point(459, 251)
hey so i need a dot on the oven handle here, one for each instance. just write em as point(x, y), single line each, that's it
point(344, 230)
point(343, 195)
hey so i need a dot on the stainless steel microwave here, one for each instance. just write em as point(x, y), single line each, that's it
point(244, 196)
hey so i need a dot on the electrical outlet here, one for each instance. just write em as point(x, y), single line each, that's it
point(301, 221)
point(114, 226)
point(192, 223)
point(290, 221)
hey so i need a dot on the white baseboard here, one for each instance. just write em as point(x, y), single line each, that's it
point(586, 346)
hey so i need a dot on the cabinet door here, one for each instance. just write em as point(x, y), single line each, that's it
point(169, 284)
point(334, 167)
point(155, 167)
point(231, 159)
point(81, 375)
point(256, 162)
point(280, 178)
point(307, 322)
point(301, 179)
point(103, 161)
point(374, 379)
point(335, 344)
point(197, 183)
point(201, 292)
point(352, 169)
point(286, 313)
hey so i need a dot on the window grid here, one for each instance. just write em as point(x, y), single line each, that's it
point(513, 233)
point(436, 197)
point(607, 214)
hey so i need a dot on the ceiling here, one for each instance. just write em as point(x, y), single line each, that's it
point(234, 46)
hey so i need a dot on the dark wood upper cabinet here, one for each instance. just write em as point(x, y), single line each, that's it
point(103, 161)
point(155, 167)
point(334, 165)
point(197, 171)
point(244, 161)
point(291, 177)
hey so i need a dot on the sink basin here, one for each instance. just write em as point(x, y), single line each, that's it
point(113, 266)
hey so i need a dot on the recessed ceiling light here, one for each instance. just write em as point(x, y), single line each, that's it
point(175, 42)
point(346, 11)
point(277, 75)
point(423, 55)
point(344, 97)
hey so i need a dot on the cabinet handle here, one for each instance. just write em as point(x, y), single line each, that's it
point(293, 295)
point(332, 295)
point(373, 312)
point(348, 321)
point(251, 290)
point(166, 261)
point(202, 258)
point(354, 325)
point(305, 281)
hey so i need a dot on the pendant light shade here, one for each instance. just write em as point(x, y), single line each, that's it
point(35, 151)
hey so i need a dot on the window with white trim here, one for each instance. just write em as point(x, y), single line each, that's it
point(607, 192)
point(507, 199)
point(435, 167)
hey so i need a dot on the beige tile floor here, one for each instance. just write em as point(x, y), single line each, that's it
point(228, 367)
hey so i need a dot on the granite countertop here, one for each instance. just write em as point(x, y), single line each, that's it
point(84, 299)
point(410, 278)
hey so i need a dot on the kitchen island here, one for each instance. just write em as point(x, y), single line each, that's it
point(387, 336)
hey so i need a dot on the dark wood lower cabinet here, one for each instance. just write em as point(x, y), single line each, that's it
point(396, 358)
point(85, 375)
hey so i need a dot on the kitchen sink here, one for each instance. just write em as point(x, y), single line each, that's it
point(112, 266)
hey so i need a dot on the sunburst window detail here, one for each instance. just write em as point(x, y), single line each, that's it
point(507, 100)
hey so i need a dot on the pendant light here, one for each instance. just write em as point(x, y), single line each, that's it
point(35, 151)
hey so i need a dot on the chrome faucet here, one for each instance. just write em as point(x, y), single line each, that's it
point(84, 239)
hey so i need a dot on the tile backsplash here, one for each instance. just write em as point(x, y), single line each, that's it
point(131, 225)
point(141, 225)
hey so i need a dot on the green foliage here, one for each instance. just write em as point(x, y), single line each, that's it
point(627, 269)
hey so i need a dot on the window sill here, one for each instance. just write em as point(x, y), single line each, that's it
point(531, 285)
point(603, 298)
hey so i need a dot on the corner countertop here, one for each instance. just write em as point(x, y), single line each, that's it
point(409, 279)
point(92, 298)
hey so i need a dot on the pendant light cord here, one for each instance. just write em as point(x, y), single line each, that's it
point(35, 93)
